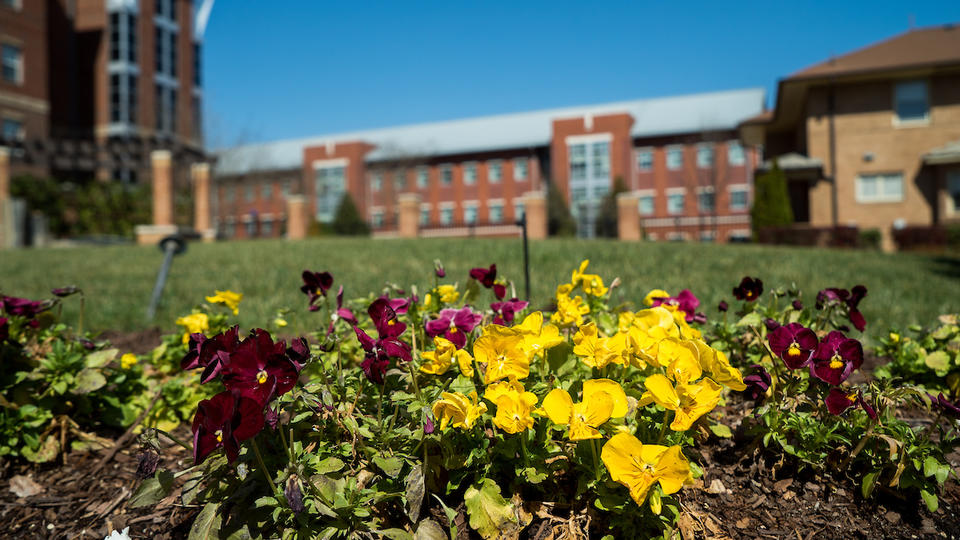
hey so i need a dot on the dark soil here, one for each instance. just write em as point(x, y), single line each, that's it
point(139, 342)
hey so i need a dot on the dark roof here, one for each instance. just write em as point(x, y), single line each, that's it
point(915, 48)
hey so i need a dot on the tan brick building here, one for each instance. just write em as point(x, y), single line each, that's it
point(680, 155)
point(871, 138)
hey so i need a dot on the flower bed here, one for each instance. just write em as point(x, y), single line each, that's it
point(463, 411)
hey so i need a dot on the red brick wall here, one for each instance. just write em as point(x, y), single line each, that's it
point(621, 147)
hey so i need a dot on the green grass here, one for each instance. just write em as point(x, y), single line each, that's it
point(903, 288)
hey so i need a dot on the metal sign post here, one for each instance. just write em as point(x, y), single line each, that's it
point(170, 245)
point(522, 223)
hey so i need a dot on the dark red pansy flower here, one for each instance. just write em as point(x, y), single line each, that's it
point(839, 400)
point(944, 403)
point(771, 324)
point(341, 313)
point(486, 276)
point(399, 305)
point(299, 352)
point(504, 313)
point(454, 325)
point(794, 344)
point(4, 329)
point(379, 351)
point(499, 290)
point(836, 357)
point(438, 269)
point(723, 306)
point(797, 305)
point(260, 369)
point(853, 303)
point(87, 344)
point(375, 366)
point(385, 319)
point(757, 382)
point(23, 307)
point(212, 354)
point(64, 292)
point(749, 289)
point(224, 421)
point(315, 285)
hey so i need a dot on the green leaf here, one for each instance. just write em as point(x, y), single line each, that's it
point(329, 465)
point(429, 529)
point(152, 490)
point(89, 380)
point(534, 476)
point(930, 466)
point(48, 451)
point(869, 482)
point(391, 465)
point(207, 524)
point(943, 471)
point(394, 534)
point(930, 499)
point(750, 319)
point(415, 492)
point(721, 430)
point(938, 360)
point(265, 501)
point(489, 512)
point(100, 358)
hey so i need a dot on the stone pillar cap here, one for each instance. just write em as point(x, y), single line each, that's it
point(4, 151)
point(409, 197)
point(296, 198)
point(200, 166)
point(160, 155)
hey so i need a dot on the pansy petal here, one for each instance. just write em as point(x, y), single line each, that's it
point(558, 405)
point(617, 396)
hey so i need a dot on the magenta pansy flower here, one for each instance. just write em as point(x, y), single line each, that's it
point(794, 344)
point(505, 312)
point(454, 325)
point(836, 357)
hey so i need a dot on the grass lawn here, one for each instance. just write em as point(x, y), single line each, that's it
point(903, 288)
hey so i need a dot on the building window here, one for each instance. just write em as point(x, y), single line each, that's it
point(496, 212)
point(707, 236)
point(12, 64)
point(911, 101)
point(520, 169)
point(446, 216)
point(645, 160)
point(735, 154)
point(248, 192)
point(424, 217)
point(470, 214)
point(470, 174)
point(446, 174)
point(494, 171)
point(12, 4)
point(377, 219)
point(873, 188)
point(285, 188)
point(330, 184)
point(400, 180)
point(196, 65)
point(266, 227)
point(376, 181)
point(601, 159)
point(675, 203)
point(953, 191)
point(705, 156)
point(423, 177)
point(646, 205)
point(228, 194)
point(251, 226)
point(165, 8)
point(266, 191)
point(705, 201)
point(12, 129)
point(675, 158)
point(578, 162)
point(518, 210)
point(738, 199)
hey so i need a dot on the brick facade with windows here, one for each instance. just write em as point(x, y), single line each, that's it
point(472, 178)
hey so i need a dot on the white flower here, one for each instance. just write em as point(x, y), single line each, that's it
point(119, 535)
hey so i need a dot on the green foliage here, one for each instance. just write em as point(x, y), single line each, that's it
point(869, 239)
point(348, 221)
point(771, 202)
point(559, 220)
point(606, 223)
point(929, 357)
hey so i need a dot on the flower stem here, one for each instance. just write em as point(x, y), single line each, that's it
point(175, 440)
point(667, 418)
point(523, 448)
point(263, 467)
point(594, 443)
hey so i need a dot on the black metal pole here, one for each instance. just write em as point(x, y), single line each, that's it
point(168, 252)
point(526, 255)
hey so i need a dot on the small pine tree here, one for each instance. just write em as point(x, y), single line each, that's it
point(771, 202)
point(559, 220)
point(606, 223)
point(347, 221)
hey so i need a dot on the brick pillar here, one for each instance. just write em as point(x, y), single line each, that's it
point(5, 202)
point(535, 208)
point(628, 216)
point(162, 184)
point(200, 174)
point(408, 205)
point(297, 218)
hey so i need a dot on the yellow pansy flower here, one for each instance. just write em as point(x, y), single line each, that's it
point(195, 323)
point(227, 298)
point(564, 290)
point(501, 349)
point(570, 311)
point(458, 410)
point(538, 337)
point(638, 466)
point(427, 300)
point(894, 337)
point(593, 284)
point(514, 411)
point(680, 358)
point(716, 363)
point(128, 360)
point(464, 362)
point(577, 274)
point(657, 317)
point(280, 322)
point(592, 348)
point(438, 361)
point(494, 391)
point(603, 399)
point(655, 293)
point(688, 401)
point(448, 294)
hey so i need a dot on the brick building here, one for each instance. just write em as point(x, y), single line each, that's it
point(90, 88)
point(680, 155)
point(871, 138)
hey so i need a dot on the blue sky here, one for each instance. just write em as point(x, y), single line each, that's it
point(300, 68)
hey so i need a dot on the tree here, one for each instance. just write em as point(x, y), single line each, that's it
point(771, 201)
point(347, 221)
point(606, 223)
point(559, 220)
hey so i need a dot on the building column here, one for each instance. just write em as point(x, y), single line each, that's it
point(297, 222)
point(6, 220)
point(200, 174)
point(628, 216)
point(535, 208)
point(408, 205)
point(162, 187)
